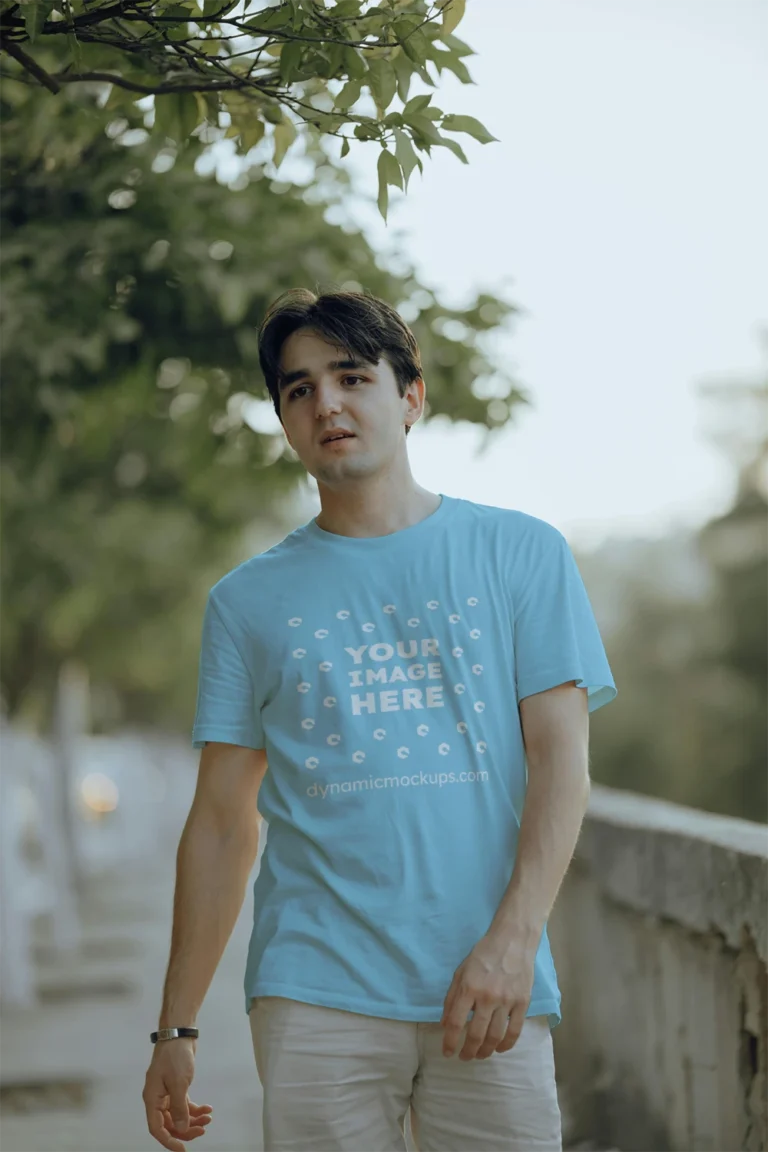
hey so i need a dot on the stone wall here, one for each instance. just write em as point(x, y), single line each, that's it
point(660, 939)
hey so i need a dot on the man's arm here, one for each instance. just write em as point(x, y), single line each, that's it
point(556, 736)
point(216, 854)
point(497, 977)
point(217, 851)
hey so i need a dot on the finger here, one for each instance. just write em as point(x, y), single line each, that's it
point(156, 1123)
point(199, 1109)
point(497, 1029)
point(179, 1109)
point(450, 996)
point(455, 1022)
point(191, 1132)
point(476, 1034)
point(512, 1034)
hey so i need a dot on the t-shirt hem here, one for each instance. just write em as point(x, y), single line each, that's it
point(426, 1014)
point(205, 733)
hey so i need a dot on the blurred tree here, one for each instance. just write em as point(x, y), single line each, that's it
point(690, 723)
point(132, 398)
point(256, 72)
point(736, 546)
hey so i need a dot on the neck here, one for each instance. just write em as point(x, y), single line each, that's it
point(366, 512)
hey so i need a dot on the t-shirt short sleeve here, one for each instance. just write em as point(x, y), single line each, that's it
point(556, 635)
point(228, 703)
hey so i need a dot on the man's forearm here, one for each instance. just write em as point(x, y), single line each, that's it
point(212, 869)
point(556, 800)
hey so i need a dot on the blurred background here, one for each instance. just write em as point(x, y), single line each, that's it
point(589, 293)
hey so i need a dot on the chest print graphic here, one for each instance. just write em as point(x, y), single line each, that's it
point(409, 676)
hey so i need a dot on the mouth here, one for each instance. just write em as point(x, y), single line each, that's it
point(337, 438)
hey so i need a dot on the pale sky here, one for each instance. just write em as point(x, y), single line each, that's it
point(624, 210)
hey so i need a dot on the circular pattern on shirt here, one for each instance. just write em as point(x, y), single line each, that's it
point(333, 739)
point(343, 615)
point(303, 687)
point(379, 733)
point(422, 729)
point(308, 724)
point(321, 634)
point(389, 609)
point(444, 749)
point(403, 752)
point(454, 618)
point(368, 627)
point(311, 762)
point(295, 621)
point(475, 633)
point(477, 669)
point(432, 604)
point(358, 757)
point(472, 601)
point(462, 727)
point(481, 746)
point(325, 666)
point(330, 701)
point(479, 706)
point(414, 622)
point(299, 653)
point(459, 688)
point(457, 652)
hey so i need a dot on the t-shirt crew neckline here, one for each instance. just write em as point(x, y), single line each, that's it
point(407, 535)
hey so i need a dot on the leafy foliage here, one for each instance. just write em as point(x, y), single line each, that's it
point(264, 73)
point(131, 298)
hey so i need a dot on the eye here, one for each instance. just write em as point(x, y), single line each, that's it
point(294, 394)
point(352, 378)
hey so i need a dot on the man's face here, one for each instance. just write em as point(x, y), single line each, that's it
point(326, 391)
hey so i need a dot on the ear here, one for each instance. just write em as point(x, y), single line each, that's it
point(416, 395)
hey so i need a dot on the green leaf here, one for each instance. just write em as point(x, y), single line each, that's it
point(290, 61)
point(390, 168)
point(354, 64)
point(469, 125)
point(36, 12)
point(454, 147)
point(453, 12)
point(344, 147)
point(383, 197)
point(417, 47)
point(176, 115)
point(348, 95)
point(382, 81)
point(252, 133)
point(458, 47)
point(285, 134)
point(458, 67)
point(406, 155)
point(417, 104)
point(404, 72)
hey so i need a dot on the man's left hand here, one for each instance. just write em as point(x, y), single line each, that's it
point(496, 980)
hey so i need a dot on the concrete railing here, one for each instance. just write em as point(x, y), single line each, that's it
point(660, 938)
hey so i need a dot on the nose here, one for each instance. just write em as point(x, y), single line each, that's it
point(328, 400)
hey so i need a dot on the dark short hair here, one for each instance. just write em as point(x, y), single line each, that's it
point(358, 322)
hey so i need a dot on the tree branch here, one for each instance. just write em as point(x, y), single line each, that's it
point(29, 65)
point(144, 89)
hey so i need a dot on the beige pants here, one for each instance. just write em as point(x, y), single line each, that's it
point(338, 1081)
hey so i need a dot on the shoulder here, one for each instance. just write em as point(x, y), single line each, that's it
point(249, 581)
point(512, 524)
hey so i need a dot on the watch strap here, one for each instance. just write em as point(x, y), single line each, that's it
point(172, 1033)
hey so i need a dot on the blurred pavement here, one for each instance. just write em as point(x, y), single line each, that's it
point(102, 1034)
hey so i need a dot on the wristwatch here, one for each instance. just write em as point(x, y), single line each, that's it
point(172, 1033)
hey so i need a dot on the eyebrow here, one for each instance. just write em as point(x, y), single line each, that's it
point(288, 378)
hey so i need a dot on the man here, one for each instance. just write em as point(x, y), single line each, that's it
point(403, 684)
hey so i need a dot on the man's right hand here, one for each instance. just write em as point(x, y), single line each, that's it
point(171, 1116)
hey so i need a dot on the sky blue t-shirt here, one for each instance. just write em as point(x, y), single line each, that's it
point(383, 677)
